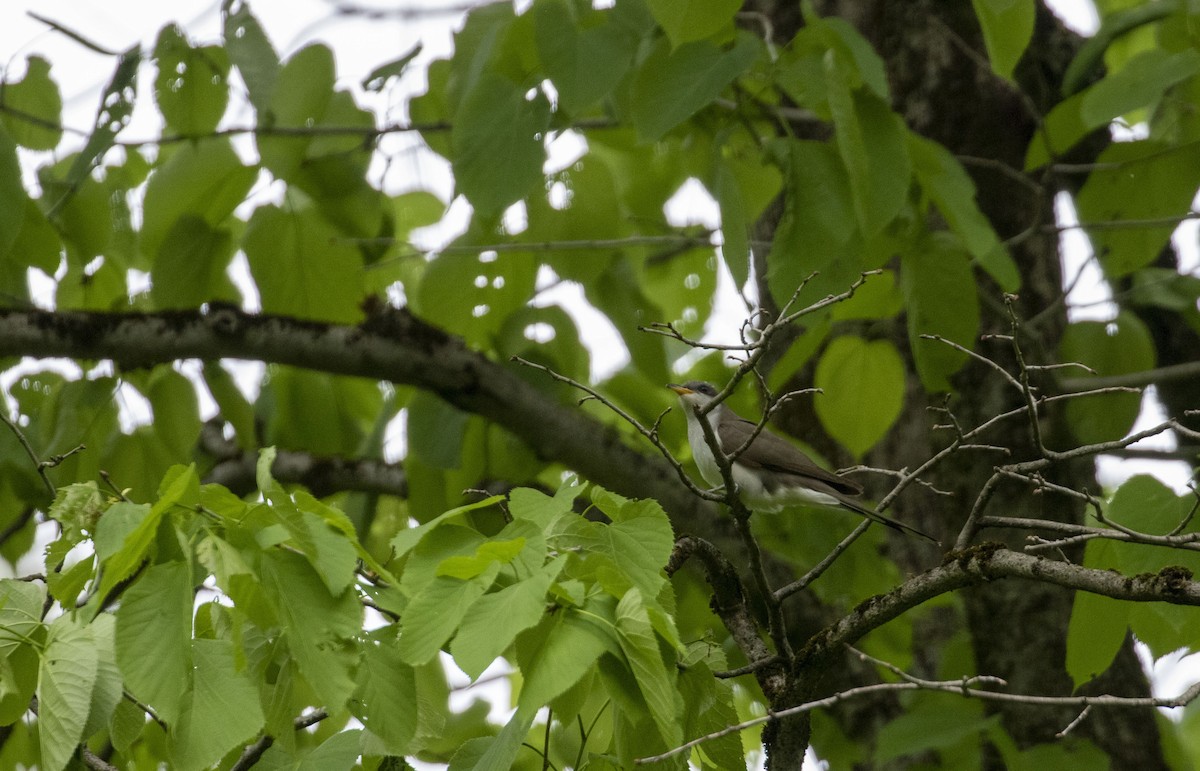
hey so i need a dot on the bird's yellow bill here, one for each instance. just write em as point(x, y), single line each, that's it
point(681, 390)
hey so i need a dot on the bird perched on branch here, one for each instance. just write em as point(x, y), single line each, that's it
point(770, 473)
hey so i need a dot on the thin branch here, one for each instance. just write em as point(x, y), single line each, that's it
point(94, 761)
point(254, 752)
point(33, 456)
point(1186, 371)
point(815, 572)
point(649, 433)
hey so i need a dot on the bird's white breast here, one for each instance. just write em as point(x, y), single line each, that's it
point(754, 494)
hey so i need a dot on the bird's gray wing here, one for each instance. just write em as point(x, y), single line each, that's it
point(775, 454)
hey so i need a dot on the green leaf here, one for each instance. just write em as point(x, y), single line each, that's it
point(116, 109)
point(350, 407)
point(387, 697)
point(863, 384)
point(1145, 180)
point(232, 403)
point(302, 266)
point(585, 62)
point(496, 619)
point(497, 143)
point(435, 431)
point(203, 179)
point(1007, 29)
point(337, 753)
point(946, 183)
point(154, 632)
point(871, 140)
point(1095, 634)
point(190, 86)
point(735, 227)
point(625, 554)
point(108, 690)
point(221, 712)
point(558, 652)
point(1141, 83)
point(941, 299)
point(66, 678)
point(655, 677)
point(686, 21)
point(191, 267)
point(933, 724)
point(298, 596)
point(379, 77)
point(673, 85)
point(1121, 21)
point(18, 683)
point(37, 96)
point(1118, 347)
point(37, 245)
point(12, 194)
point(434, 614)
point(473, 295)
point(133, 551)
point(20, 613)
point(251, 51)
point(300, 99)
point(492, 552)
point(817, 226)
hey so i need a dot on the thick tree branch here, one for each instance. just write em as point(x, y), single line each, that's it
point(235, 468)
point(991, 562)
point(390, 345)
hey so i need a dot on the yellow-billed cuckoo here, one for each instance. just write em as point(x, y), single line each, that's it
point(770, 473)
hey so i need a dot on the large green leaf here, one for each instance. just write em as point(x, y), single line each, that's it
point(817, 226)
point(387, 697)
point(1143, 185)
point(154, 632)
point(190, 86)
point(20, 613)
point(191, 266)
point(497, 142)
point(1139, 84)
point(298, 596)
point(115, 112)
point(12, 194)
point(655, 677)
point(941, 299)
point(434, 614)
point(251, 51)
point(34, 107)
point(560, 650)
point(585, 62)
point(496, 619)
point(1007, 29)
point(863, 385)
point(66, 678)
point(686, 21)
point(351, 405)
point(203, 179)
point(672, 85)
point(220, 713)
point(871, 140)
point(302, 267)
point(1118, 347)
point(948, 186)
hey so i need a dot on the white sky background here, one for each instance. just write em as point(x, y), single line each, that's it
point(361, 45)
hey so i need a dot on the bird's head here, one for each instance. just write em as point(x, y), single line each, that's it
point(694, 393)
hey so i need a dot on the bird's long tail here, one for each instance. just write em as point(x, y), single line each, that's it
point(875, 516)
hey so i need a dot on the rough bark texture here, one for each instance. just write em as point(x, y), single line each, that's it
point(943, 88)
